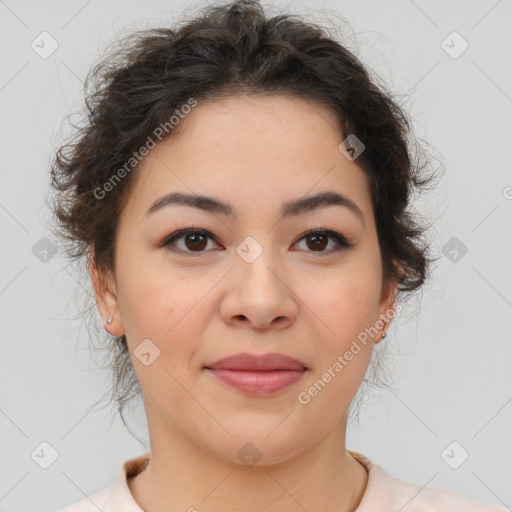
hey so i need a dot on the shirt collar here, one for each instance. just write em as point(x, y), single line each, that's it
point(118, 495)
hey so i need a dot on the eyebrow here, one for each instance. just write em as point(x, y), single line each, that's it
point(288, 209)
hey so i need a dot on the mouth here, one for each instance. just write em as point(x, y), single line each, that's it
point(258, 374)
point(260, 382)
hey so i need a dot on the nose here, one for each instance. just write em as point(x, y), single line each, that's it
point(259, 295)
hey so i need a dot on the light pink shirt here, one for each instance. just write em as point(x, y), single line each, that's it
point(384, 493)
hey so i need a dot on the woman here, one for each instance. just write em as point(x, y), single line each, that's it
point(240, 191)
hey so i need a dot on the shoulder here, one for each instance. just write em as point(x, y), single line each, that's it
point(90, 503)
point(417, 498)
point(110, 499)
point(386, 492)
point(117, 495)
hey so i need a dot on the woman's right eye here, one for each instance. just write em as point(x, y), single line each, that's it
point(194, 240)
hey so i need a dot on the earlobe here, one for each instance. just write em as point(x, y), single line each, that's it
point(106, 299)
point(387, 308)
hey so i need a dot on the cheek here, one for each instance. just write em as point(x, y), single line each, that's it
point(155, 307)
point(345, 306)
point(346, 302)
point(149, 299)
point(164, 306)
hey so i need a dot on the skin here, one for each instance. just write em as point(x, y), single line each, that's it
point(254, 153)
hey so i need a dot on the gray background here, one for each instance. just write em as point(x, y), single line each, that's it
point(451, 355)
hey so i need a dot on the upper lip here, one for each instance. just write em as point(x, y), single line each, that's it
point(248, 362)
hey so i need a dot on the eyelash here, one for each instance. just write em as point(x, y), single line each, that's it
point(341, 241)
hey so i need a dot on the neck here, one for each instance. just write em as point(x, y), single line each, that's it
point(184, 476)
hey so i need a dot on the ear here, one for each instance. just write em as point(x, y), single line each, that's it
point(105, 292)
point(387, 305)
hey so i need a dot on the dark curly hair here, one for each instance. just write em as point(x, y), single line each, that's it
point(226, 50)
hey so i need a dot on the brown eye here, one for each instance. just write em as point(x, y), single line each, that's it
point(318, 240)
point(194, 240)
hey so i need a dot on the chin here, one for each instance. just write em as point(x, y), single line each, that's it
point(258, 443)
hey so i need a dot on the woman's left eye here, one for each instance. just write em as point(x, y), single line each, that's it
point(196, 240)
point(319, 238)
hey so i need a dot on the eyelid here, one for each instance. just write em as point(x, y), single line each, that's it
point(167, 240)
point(341, 242)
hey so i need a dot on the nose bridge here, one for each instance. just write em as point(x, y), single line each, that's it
point(256, 263)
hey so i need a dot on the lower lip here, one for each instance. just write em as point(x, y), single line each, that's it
point(258, 382)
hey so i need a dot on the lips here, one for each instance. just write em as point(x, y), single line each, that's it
point(258, 375)
point(264, 362)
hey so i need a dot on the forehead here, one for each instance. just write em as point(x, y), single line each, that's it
point(251, 150)
point(248, 124)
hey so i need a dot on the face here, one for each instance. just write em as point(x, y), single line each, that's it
point(253, 279)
